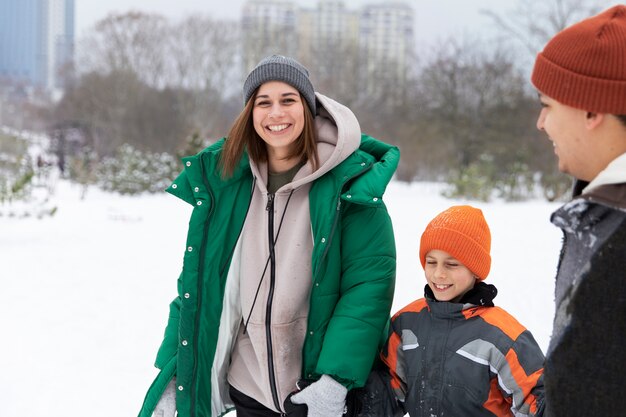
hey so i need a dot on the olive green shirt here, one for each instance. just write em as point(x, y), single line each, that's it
point(275, 180)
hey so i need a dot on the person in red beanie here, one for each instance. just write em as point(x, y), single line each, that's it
point(453, 353)
point(581, 79)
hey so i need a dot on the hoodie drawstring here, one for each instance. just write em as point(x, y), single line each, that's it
point(258, 288)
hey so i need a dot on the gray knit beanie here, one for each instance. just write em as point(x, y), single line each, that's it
point(281, 68)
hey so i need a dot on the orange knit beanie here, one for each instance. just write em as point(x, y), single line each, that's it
point(462, 232)
point(584, 65)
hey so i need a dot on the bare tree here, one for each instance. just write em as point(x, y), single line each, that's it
point(533, 22)
point(203, 59)
point(146, 81)
point(130, 42)
point(336, 70)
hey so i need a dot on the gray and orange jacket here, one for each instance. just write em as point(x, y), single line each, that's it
point(454, 359)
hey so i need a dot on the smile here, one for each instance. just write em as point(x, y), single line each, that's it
point(442, 287)
point(278, 128)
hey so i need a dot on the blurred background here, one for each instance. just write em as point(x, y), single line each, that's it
point(96, 86)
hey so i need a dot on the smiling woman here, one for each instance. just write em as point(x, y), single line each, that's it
point(290, 259)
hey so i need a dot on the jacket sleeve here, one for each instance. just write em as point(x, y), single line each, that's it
point(368, 269)
point(170, 340)
point(524, 363)
point(377, 398)
point(392, 356)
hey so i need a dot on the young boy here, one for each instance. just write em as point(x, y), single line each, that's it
point(453, 353)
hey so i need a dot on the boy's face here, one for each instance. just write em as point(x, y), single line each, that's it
point(565, 127)
point(447, 277)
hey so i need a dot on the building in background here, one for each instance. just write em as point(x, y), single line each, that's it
point(387, 41)
point(330, 25)
point(268, 26)
point(36, 42)
point(377, 39)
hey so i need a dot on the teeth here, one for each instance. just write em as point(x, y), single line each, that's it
point(441, 287)
point(277, 128)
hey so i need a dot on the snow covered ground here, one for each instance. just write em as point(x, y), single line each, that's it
point(84, 295)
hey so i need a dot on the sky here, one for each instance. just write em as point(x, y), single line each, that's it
point(435, 19)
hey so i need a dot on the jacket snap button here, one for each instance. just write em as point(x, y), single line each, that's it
point(323, 240)
point(189, 248)
point(174, 186)
point(186, 295)
point(196, 189)
point(184, 343)
point(180, 387)
point(349, 196)
point(375, 198)
point(199, 203)
point(188, 164)
point(362, 164)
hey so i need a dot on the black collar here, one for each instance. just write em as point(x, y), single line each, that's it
point(481, 295)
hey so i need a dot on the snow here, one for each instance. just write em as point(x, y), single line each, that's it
point(84, 294)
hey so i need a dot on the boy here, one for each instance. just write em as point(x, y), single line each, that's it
point(453, 353)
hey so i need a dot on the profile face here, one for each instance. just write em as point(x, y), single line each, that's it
point(278, 117)
point(563, 125)
point(447, 277)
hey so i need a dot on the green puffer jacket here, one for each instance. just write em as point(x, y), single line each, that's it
point(352, 284)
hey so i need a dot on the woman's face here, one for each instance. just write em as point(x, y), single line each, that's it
point(278, 117)
point(447, 277)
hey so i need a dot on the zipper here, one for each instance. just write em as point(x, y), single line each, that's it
point(270, 298)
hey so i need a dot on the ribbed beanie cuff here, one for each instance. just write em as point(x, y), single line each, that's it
point(281, 68)
point(584, 66)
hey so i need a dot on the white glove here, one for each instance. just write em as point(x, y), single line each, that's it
point(166, 407)
point(324, 398)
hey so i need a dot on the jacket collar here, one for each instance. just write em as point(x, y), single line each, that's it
point(481, 295)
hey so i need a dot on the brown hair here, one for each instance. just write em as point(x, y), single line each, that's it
point(242, 136)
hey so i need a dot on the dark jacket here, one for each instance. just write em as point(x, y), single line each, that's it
point(586, 360)
point(463, 359)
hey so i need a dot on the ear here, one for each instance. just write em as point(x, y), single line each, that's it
point(593, 120)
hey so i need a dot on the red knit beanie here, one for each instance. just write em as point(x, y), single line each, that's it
point(584, 65)
point(462, 232)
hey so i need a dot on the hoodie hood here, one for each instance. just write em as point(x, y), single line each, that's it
point(338, 136)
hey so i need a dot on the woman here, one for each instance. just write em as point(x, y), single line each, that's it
point(289, 265)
